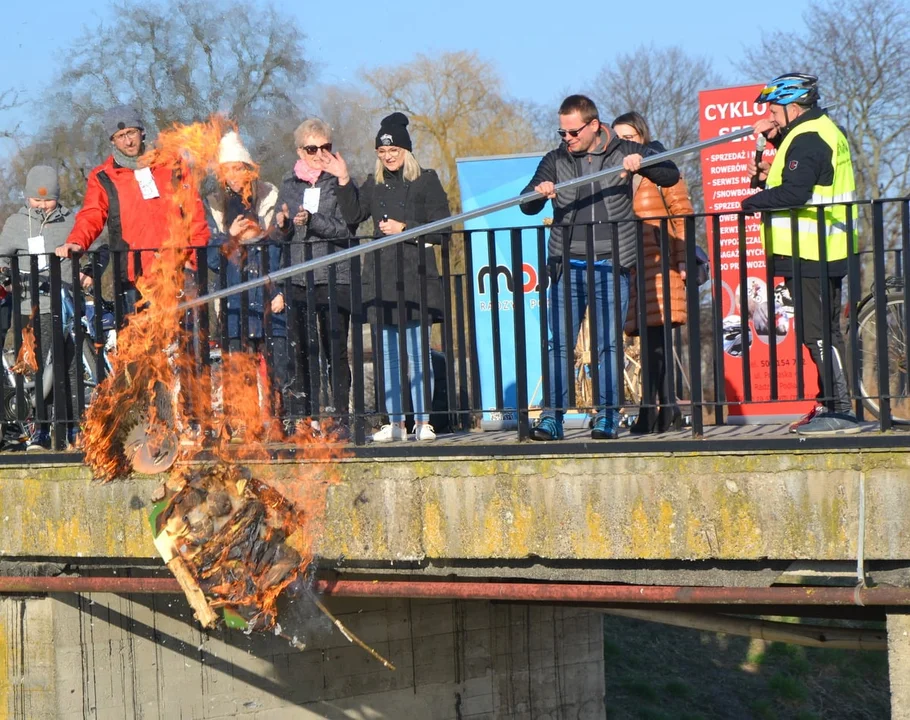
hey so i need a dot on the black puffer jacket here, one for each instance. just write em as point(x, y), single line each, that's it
point(326, 231)
point(413, 203)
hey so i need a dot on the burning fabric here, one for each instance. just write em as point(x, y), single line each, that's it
point(27, 359)
point(238, 540)
point(232, 540)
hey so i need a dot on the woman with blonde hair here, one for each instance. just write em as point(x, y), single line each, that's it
point(309, 220)
point(398, 196)
point(657, 411)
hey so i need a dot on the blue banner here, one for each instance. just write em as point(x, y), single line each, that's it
point(484, 181)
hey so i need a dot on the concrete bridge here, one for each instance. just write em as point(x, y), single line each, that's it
point(747, 521)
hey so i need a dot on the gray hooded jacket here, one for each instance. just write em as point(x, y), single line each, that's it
point(29, 222)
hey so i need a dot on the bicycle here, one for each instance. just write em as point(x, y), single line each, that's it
point(868, 360)
point(94, 350)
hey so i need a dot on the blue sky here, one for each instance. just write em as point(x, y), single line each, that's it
point(543, 50)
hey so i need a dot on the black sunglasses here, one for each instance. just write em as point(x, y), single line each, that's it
point(573, 133)
point(313, 149)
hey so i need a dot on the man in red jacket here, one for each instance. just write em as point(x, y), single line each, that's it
point(134, 202)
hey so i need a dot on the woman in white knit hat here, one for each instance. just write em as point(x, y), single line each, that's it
point(240, 211)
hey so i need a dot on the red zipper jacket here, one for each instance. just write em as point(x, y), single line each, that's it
point(113, 197)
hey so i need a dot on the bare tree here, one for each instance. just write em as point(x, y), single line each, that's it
point(457, 109)
point(9, 100)
point(175, 58)
point(9, 198)
point(351, 114)
point(661, 83)
point(858, 49)
point(176, 62)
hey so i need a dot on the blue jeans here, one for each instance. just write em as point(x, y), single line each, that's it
point(415, 338)
point(561, 342)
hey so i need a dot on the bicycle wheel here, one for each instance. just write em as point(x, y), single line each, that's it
point(89, 370)
point(898, 380)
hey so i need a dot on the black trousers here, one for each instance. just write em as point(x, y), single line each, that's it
point(314, 333)
point(813, 321)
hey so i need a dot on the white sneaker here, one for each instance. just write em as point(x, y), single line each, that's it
point(390, 433)
point(424, 432)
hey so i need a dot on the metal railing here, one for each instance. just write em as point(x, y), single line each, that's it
point(484, 346)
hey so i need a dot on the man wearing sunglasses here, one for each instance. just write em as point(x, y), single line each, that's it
point(585, 217)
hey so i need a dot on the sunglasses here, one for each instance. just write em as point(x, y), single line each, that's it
point(313, 149)
point(573, 133)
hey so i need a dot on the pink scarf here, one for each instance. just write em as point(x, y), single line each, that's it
point(306, 173)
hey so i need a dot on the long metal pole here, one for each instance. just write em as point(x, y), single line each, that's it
point(509, 591)
point(448, 222)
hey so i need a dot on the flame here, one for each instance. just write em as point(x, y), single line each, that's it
point(157, 383)
point(239, 175)
point(27, 359)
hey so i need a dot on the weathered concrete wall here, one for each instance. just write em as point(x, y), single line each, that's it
point(730, 506)
point(899, 665)
point(114, 657)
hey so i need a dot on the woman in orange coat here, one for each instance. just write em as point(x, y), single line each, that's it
point(654, 203)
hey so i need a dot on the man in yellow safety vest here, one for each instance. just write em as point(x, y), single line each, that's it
point(812, 168)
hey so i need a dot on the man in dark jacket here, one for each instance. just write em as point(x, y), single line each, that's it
point(812, 166)
point(584, 217)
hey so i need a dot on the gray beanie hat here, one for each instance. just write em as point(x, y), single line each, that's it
point(41, 183)
point(121, 117)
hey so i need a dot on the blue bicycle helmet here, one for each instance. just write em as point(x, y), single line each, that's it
point(798, 88)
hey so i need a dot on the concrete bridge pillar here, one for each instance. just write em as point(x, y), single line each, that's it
point(899, 665)
point(111, 656)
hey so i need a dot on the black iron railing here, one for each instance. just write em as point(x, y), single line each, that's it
point(495, 328)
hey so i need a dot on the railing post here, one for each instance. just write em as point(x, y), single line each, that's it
point(905, 294)
point(521, 348)
point(881, 315)
point(447, 319)
point(854, 296)
point(357, 322)
point(798, 307)
point(717, 314)
point(824, 283)
point(470, 293)
point(694, 327)
point(58, 356)
point(743, 259)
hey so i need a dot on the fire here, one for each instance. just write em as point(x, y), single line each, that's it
point(237, 539)
point(27, 359)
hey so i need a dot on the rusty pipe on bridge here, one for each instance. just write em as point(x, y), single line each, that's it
point(502, 591)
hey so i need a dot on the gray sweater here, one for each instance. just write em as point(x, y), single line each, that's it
point(26, 223)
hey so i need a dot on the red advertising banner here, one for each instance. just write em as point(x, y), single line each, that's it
point(725, 182)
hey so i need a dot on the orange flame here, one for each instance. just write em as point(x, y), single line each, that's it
point(157, 382)
point(27, 359)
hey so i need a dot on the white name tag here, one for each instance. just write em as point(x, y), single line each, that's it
point(37, 246)
point(311, 199)
point(147, 185)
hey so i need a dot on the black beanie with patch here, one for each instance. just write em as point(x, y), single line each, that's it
point(393, 132)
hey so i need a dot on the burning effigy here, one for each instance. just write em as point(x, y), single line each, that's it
point(234, 537)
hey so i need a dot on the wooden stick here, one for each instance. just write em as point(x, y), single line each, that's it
point(349, 635)
point(204, 613)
